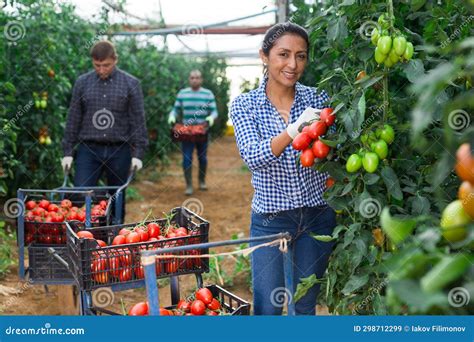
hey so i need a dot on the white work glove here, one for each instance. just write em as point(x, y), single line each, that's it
point(171, 119)
point(310, 114)
point(210, 120)
point(66, 163)
point(136, 164)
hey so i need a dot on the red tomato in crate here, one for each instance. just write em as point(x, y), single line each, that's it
point(153, 230)
point(204, 295)
point(66, 204)
point(44, 204)
point(30, 205)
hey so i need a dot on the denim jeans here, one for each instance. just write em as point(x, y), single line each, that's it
point(93, 159)
point(188, 149)
point(310, 256)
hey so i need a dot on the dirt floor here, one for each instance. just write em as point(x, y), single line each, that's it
point(226, 205)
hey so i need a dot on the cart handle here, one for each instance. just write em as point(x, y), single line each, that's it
point(55, 255)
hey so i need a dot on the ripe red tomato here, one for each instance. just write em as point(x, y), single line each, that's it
point(165, 312)
point(29, 238)
point(65, 203)
point(301, 141)
point(317, 129)
point(211, 313)
point(171, 264)
point(320, 149)
point(307, 158)
point(139, 309)
point(39, 211)
point(327, 116)
point(85, 234)
point(47, 239)
point(44, 204)
point(30, 205)
point(214, 305)
point(81, 216)
point(101, 243)
point(103, 204)
point(53, 207)
point(125, 274)
point(153, 230)
point(198, 308)
point(72, 216)
point(99, 269)
point(305, 129)
point(133, 237)
point(181, 232)
point(119, 240)
point(49, 219)
point(140, 272)
point(184, 305)
point(58, 217)
point(204, 295)
point(330, 182)
point(124, 231)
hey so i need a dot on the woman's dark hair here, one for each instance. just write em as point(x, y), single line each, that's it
point(279, 30)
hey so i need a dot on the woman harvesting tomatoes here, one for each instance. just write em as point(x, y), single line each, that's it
point(288, 197)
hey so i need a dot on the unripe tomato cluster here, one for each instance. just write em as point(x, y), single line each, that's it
point(378, 143)
point(308, 140)
point(459, 213)
point(390, 50)
point(41, 102)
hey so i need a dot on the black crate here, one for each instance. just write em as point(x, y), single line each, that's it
point(120, 267)
point(230, 303)
point(46, 268)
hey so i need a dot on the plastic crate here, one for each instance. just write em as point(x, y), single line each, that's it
point(120, 267)
point(230, 303)
point(191, 133)
point(46, 268)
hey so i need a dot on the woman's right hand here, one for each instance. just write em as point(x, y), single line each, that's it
point(309, 114)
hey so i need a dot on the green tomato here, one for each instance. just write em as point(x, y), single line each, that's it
point(353, 163)
point(399, 44)
point(37, 104)
point(384, 44)
point(394, 58)
point(379, 57)
point(408, 51)
point(387, 134)
point(388, 62)
point(380, 148)
point(43, 104)
point(47, 141)
point(453, 221)
point(374, 37)
point(383, 21)
point(370, 162)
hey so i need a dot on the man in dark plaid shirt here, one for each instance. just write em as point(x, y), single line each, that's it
point(105, 129)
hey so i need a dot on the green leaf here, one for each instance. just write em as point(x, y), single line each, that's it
point(409, 292)
point(414, 70)
point(396, 229)
point(323, 238)
point(355, 282)
point(9, 87)
point(391, 182)
point(371, 178)
point(417, 4)
point(420, 205)
point(304, 286)
point(361, 105)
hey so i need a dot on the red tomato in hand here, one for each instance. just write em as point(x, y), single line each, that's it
point(327, 116)
point(307, 158)
point(198, 308)
point(317, 129)
point(301, 141)
point(204, 295)
point(320, 149)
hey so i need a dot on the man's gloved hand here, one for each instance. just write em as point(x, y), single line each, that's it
point(66, 163)
point(309, 114)
point(137, 164)
point(171, 120)
point(210, 120)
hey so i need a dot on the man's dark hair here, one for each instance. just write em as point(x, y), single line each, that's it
point(103, 50)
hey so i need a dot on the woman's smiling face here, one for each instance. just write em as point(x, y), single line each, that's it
point(286, 60)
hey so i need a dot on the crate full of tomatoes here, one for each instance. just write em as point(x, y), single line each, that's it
point(111, 256)
point(211, 300)
point(192, 133)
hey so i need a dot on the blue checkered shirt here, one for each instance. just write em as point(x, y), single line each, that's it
point(107, 111)
point(280, 183)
